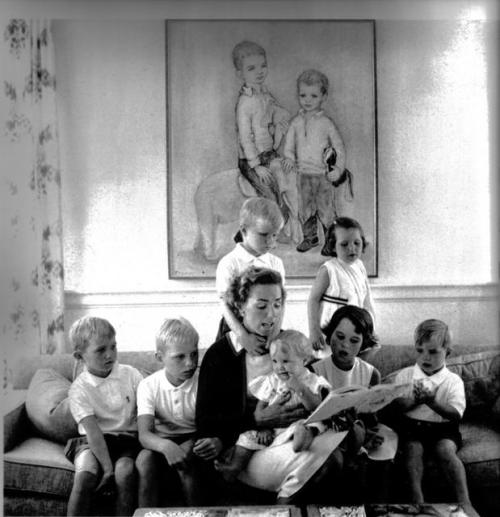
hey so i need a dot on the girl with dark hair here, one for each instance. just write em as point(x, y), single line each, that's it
point(341, 280)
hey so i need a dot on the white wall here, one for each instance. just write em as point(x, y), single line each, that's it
point(435, 179)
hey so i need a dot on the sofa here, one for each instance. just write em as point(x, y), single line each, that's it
point(37, 423)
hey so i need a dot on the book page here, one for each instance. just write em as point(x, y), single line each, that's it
point(364, 400)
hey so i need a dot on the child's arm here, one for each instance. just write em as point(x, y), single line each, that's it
point(308, 399)
point(173, 453)
point(338, 144)
point(318, 289)
point(245, 133)
point(98, 446)
point(252, 343)
point(427, 395)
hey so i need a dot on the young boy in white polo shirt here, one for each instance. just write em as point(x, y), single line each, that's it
point(166, 403)
point(430, 415)
point(103, 403)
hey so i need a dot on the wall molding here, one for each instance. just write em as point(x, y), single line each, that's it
point(203, 296)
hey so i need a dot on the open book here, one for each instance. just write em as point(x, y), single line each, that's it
point(364, 400)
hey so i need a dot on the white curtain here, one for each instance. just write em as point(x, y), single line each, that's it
point(32, 265)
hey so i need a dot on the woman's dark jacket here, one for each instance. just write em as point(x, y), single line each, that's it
point(223, 407)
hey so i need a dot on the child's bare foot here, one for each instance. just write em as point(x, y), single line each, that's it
point(229, 471)
point(302, 438)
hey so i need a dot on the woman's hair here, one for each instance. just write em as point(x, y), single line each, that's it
point(313, 77)
point(87, 328)
point(360, 318)
point(294, 340)
point(244, 49)
point(331, 240)
point(241, 286)
point(433, 328)
point(175, 329)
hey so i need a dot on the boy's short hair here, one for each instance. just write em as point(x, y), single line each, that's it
point(296, 341)
point(331, 239)
point(87, 328)
point(244, 49)
point(311, 77)
point(175, 329)
point(433, 328)
point(260, 208)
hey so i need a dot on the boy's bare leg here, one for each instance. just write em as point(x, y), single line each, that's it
point(149, 472)
point(414, 465)
point(126, 486)
point(230, 469)
point(446, 452)
point(80, 499)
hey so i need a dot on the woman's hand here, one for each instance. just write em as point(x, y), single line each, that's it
point(277, 415)
point(207, 448)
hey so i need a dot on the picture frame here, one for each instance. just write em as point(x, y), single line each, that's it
point(203, 179)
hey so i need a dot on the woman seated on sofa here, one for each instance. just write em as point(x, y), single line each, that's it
point(224, 407)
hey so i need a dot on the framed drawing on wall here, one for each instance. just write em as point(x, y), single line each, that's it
point(207, 135)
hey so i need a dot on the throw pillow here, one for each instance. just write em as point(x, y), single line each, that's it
point(47, 405)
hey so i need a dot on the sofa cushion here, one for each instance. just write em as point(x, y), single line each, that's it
point(38, 466)
point(47, 406)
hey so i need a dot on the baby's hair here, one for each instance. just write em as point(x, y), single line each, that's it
point(87, 328)
point(175, 329)
point(331, 239)
point(244, 49)
point(433, 328)
point(294, 340)
point(360, 318)
point(314, 77)
point(241, 285)
point(260, 208)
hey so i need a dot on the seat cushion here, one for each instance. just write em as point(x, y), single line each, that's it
point(47, 406)
point(38, 466)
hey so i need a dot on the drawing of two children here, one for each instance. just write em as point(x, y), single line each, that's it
point(284, 160)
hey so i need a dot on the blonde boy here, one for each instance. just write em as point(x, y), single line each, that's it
point(431, 414)
point(260, 224)
point(311, 132)
point(103, 403)
point(166, 408)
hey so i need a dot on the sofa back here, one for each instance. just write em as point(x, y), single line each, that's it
point(67, 366)
point(391, 358)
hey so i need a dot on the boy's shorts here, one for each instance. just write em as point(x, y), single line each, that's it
point(119, 445)
point(429, 433)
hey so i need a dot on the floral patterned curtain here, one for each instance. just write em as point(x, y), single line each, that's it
point(33, 275)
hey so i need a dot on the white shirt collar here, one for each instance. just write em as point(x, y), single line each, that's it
point(185, 386)
point(96, 381)
point(245, 255)
point(251, 90)
point(436, 378)
point(318, 114)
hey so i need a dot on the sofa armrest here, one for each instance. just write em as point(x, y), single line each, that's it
point(16, 424)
